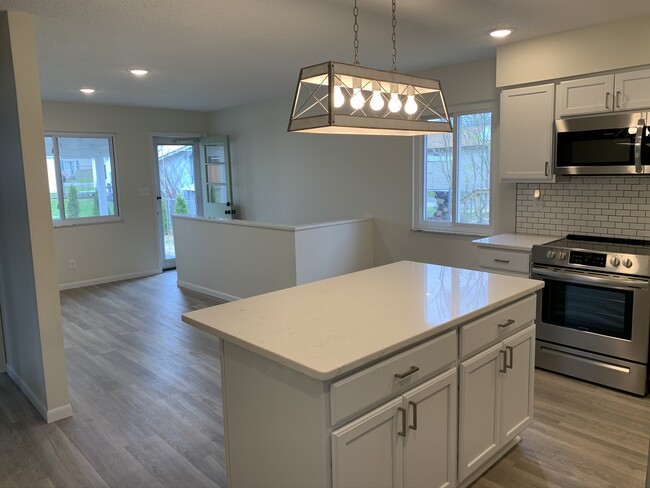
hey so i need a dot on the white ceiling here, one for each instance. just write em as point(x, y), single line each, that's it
point(212, 54)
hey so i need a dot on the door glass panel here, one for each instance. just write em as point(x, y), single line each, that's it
point(177, 188)
point(572, 305)
point(216, 174)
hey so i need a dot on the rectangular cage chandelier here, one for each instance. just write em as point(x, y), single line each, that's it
point(338, 98)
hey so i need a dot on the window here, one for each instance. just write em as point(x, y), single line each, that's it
point(81, 176)
point(452, 190)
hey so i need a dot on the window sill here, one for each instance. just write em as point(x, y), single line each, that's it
point(456, 232)
point(89, 221)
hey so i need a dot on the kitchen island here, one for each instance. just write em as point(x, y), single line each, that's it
point(383, 377)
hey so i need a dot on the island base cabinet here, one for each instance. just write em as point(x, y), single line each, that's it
point(517, 388)
point(408, 442)
point(496, 399)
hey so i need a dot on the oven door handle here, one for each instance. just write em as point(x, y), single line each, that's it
point(637, 145)
point(590, 279)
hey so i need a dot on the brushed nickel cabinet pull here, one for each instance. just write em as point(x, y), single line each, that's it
point(504, 261)
point(504, 368)
point(507, 323)
point(509, 363)
point(401, 376)
point(618, 99)
point(545, 168)
point(607, 94)
point(414, 425)
point(403, 412)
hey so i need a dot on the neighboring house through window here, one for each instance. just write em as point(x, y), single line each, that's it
point(453, 173)
point(81, 177)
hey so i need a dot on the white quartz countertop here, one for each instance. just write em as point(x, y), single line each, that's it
point(514, 242)
point(327, 328)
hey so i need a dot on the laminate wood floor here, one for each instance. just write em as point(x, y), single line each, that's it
point(146, 397)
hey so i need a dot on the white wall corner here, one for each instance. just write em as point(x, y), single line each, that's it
point(49, 415)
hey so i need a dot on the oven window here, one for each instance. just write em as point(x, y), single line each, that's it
point(595, 309)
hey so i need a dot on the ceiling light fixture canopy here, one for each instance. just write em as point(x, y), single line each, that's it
point(339, 98)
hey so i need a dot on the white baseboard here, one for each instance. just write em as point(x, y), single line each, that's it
point(49, 416)
point(108, 279)
point(206, 291)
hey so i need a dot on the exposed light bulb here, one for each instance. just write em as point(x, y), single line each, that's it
point(394, 105)
point(377, 101)
point(410, 107)
point(339, 98)
point(357, 101)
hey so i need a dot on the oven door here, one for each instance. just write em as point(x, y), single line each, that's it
point(594, 312)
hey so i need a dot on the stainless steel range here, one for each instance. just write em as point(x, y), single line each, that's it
point(593, 318)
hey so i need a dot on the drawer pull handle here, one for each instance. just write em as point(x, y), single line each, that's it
point(508, 322)
point(414, 425)
point(504, 261)
point(505, 364)
point(403, 412)
point(401, 376)
point(509, 363)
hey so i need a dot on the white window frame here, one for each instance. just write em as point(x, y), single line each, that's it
point(68, 222)
point(453, 227)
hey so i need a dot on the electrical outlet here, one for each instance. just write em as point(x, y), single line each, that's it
point(537, 197)
point(72, 264)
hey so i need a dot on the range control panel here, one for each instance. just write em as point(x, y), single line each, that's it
point(588, 259)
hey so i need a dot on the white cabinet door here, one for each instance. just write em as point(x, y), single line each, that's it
point(430, 452)
point(585, 96)
point(369, 451)
point(480, 396)
point(632, 90)
point(526, 133)
point(517, 384)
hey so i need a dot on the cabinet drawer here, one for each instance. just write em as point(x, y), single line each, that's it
point(378, 382)
point(491, 328)
point(512, 261)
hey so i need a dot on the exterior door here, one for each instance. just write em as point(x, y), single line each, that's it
point(216, 177)
point(368, 452)
point(177, 165)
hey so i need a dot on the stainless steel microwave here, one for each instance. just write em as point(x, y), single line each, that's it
point(603, 144)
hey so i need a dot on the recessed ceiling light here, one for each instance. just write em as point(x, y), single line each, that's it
point(87, 91)
point(139, 72)
point(499, 33)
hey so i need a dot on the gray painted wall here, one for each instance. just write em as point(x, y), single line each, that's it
point(28, 283)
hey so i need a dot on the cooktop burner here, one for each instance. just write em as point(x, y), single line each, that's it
point(606, 254)
point(605, 244)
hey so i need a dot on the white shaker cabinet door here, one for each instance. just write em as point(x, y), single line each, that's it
point(632, 90)
point(517, 384)
point(430, 452)
point(526, 133)
point(479, 429)
point(369, 451)
point(585, 96)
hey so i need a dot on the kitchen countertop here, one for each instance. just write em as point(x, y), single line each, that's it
point(514, 242)
point(330, 327)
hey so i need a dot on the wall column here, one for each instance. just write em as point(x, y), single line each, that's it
point(29, 296)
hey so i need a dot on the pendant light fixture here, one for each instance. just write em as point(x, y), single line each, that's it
point(338, 98)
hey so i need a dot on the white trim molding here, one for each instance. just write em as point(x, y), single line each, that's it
point(206, 291)
point(49, 416)
point(108, 279)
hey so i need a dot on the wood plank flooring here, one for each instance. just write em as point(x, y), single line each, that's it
point(146, 397)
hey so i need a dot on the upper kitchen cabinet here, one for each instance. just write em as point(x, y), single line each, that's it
point(614, 92)
point(526, 133)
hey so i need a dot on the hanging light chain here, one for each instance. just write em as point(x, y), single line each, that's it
point(394, 39)
point(355, 12)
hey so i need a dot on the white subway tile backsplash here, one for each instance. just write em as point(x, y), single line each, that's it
point(605, 206)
